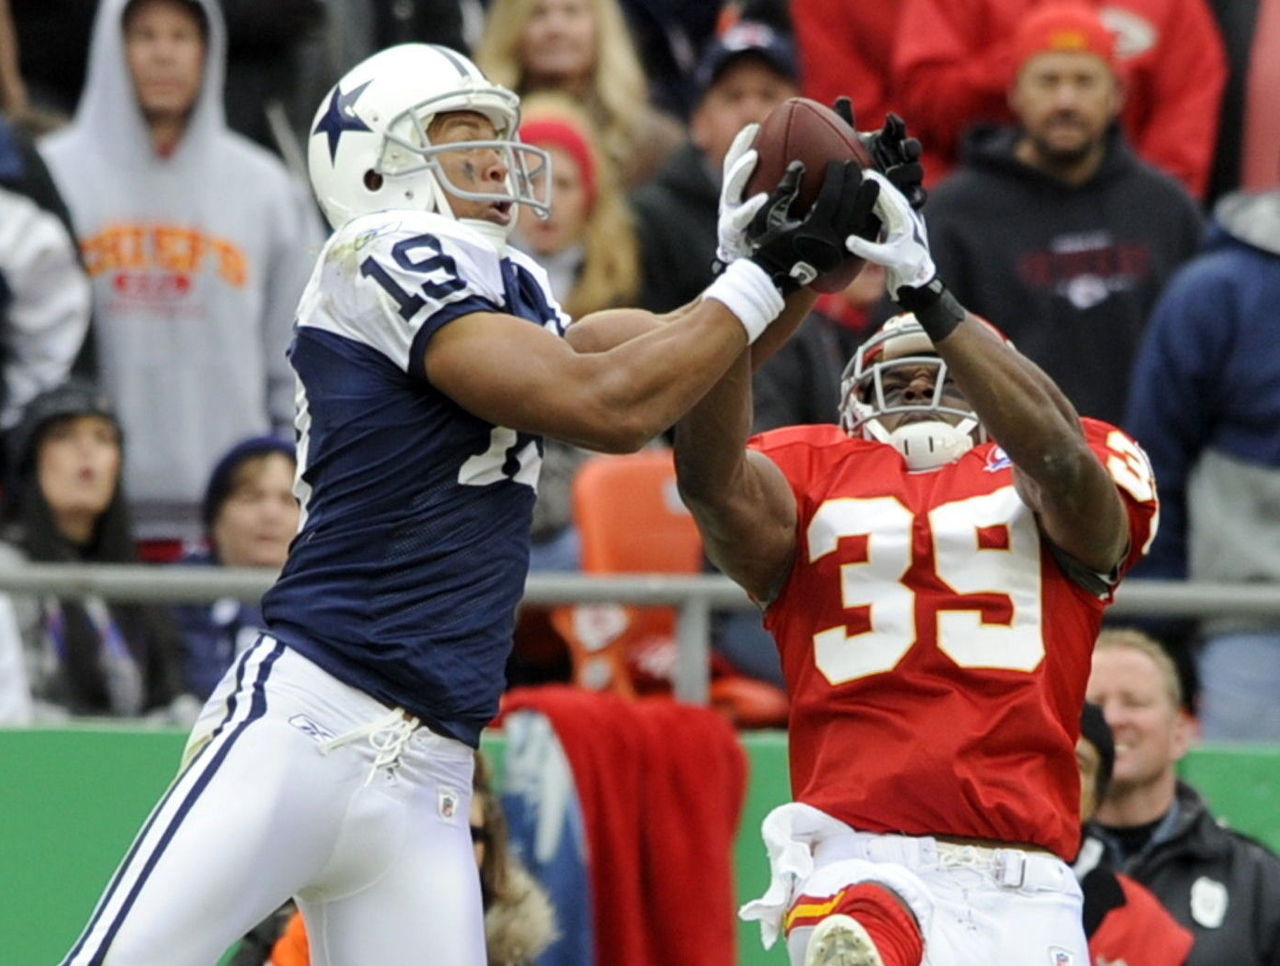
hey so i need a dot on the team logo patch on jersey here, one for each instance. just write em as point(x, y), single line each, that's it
point(1060, 957)
point(447, 801)
point(1208, 902)
point(997, 460)
point(308, 727)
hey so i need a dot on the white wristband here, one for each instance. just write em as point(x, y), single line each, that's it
point(744, 287)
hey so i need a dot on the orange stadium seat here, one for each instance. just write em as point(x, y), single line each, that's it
point(630, 520)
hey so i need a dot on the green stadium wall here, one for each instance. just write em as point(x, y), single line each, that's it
point(71, 800)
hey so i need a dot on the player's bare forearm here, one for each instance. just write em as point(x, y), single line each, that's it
point(515, 374)
point(609, 328)
point(798, 305)
point(744, 508)
point(1035, 424)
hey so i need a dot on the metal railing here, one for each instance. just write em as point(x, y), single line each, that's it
point(695, 597)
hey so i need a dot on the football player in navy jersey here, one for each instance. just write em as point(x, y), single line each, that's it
point(333, 762)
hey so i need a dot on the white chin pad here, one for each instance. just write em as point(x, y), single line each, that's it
point(931, 444)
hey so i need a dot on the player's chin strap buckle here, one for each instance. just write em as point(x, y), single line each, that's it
point(1011, 868)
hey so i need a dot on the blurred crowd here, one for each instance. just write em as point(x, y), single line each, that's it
point(1121, 224)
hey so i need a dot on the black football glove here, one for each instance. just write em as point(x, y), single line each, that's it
point(897, 156)
point(794, 249)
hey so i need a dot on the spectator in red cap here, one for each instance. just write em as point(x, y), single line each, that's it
point(954, 59)
point(588, 244)
point(1052, 228)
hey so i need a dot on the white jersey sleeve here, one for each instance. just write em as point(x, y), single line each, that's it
point(44, 302)
point(390, 280)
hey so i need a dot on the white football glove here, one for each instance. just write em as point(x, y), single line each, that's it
point(904, 250)
point(735, 213)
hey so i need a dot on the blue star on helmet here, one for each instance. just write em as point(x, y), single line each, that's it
point(341, 117)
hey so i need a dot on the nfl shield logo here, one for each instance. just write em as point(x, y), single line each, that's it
point(447, 803)
point(1208, 902)
point(1060, 957)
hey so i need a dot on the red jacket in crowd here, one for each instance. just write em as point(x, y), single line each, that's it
point(953, 65)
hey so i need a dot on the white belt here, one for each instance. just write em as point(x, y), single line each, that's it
point(1010, 868)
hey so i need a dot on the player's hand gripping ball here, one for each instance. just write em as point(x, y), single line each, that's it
point(800, 129)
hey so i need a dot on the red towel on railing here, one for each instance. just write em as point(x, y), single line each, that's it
point(661, 786)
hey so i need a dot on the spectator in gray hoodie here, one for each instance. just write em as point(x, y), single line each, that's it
point(198, 244)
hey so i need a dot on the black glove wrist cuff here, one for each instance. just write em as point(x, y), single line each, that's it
point(784, 283)
point(934, 307)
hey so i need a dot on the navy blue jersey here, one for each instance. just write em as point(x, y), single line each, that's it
point(411, 559)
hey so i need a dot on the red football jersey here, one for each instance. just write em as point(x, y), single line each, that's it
point(935, 651)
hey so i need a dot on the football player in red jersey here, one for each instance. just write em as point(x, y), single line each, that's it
point(934, 572)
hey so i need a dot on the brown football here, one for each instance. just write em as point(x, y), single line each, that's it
point(800, 129)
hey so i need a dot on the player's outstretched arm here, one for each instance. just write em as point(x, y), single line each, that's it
point(1058, 474)
point(517, 375)
point(743, 505)
point(609, 328)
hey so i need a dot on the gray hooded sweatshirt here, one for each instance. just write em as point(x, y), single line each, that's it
point(197, 260)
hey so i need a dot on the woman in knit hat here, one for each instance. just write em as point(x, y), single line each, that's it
point(250, 515)
point(63, 504)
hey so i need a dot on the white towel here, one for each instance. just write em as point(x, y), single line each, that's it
point(790, 833)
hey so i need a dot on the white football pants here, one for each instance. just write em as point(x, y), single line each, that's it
point(295, 784)
point(976, 906)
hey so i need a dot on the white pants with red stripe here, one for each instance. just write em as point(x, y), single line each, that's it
point(975, 906)
point(295, 784)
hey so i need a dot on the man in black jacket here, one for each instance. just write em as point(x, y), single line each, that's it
point(743, 75)
point(1125, 923)
point(1053, 229)
point(1222, 885)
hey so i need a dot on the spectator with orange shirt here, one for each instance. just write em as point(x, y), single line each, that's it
point(588, 247)
point(954, 59)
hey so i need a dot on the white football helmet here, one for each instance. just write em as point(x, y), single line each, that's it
point(369, 149)
point(934, 430)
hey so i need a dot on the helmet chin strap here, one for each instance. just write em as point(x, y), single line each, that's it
point(495, 235)
point(928, 445)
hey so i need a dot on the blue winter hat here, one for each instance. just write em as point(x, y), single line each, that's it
point(75, 397)
point(742, 38)
point(223, 475)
